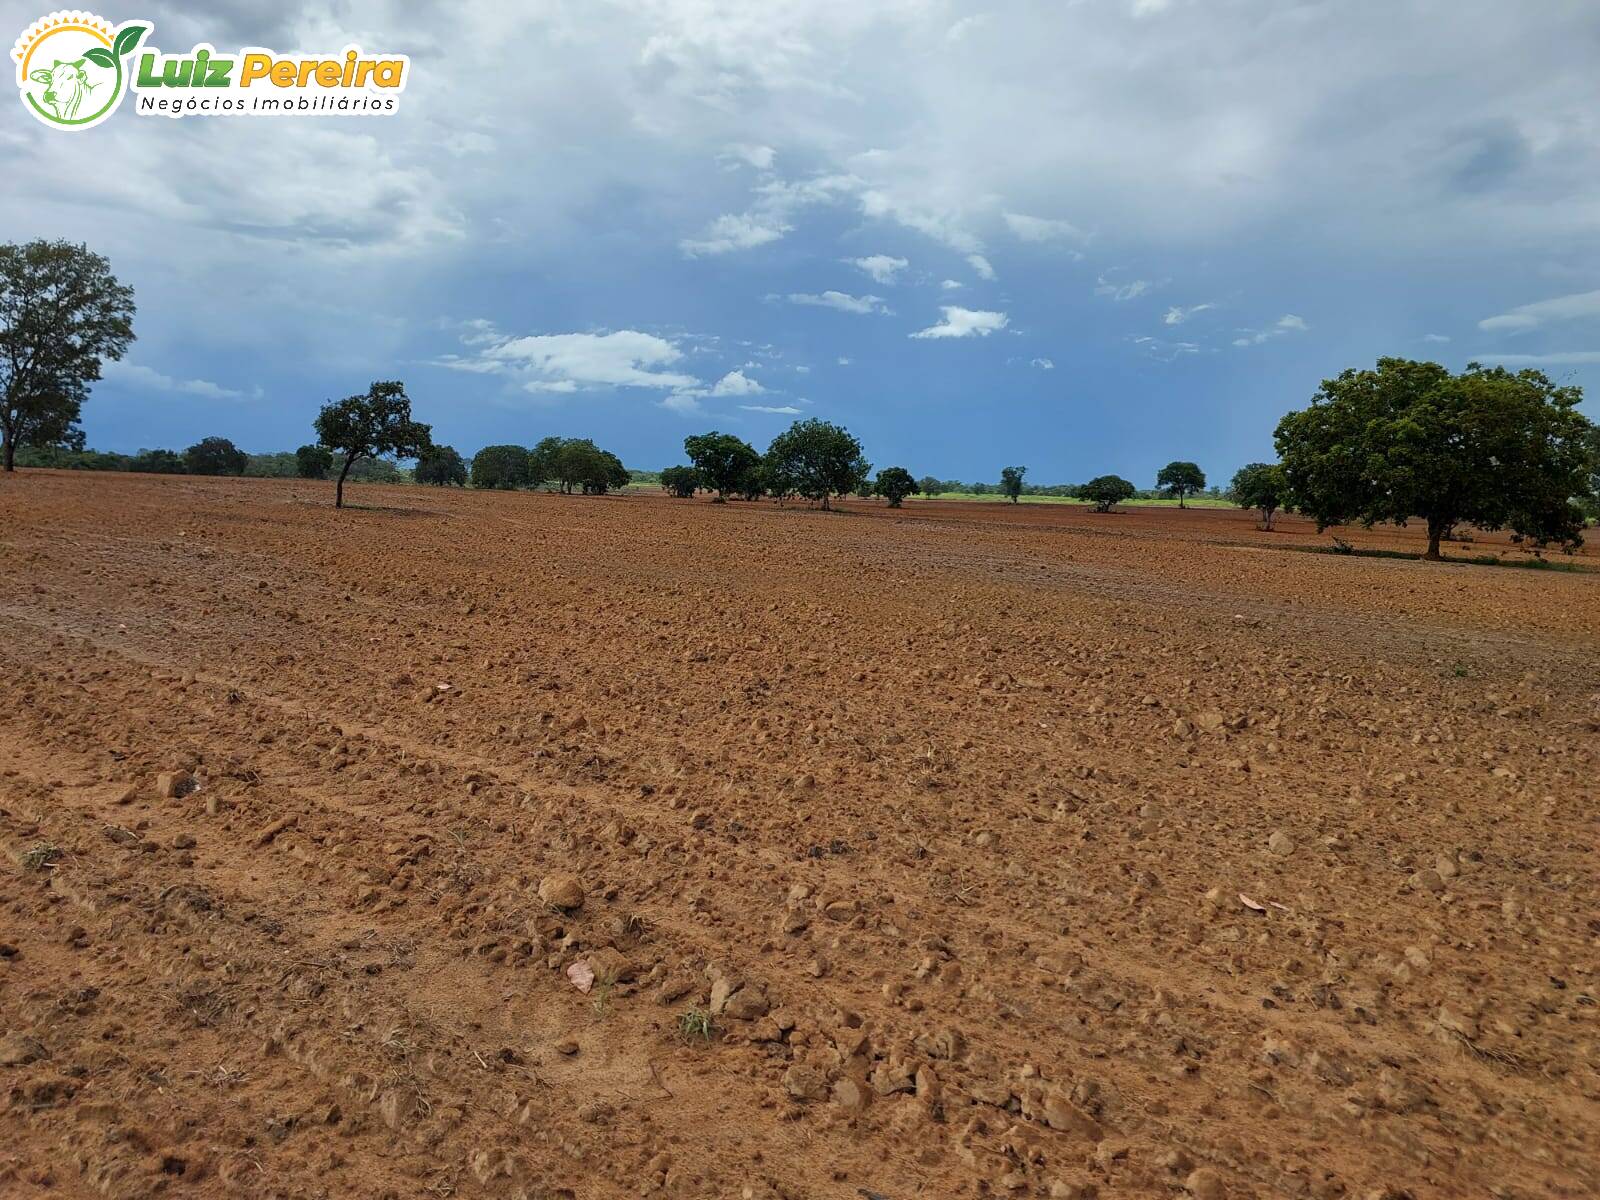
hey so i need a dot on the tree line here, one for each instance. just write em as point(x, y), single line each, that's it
point(1398, 442)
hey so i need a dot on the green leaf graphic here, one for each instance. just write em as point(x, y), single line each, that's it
point(128, 39)
point(100, 57)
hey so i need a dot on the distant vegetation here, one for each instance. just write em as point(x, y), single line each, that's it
point(1404, 441)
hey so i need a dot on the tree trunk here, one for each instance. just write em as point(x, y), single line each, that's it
point(10, 452)
point(338, 491)
point(1181, 504)
point(1436, 528)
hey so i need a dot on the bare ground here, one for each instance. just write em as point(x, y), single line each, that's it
point(1014, 852)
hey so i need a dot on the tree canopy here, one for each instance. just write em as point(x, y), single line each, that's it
point(1260, 486)
point(62, 313)
point(723, 460)
point(1410, 440)
point(505, 467)
point(1011, 482)
point(894, 484)
point(313, 462)
point(215, 456)
point(1106, 490)
point(441, 466)
point(681, 482)
point(1181, 479)
point(365, 426)
point(815, 459)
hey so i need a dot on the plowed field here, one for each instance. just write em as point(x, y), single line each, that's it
point(965, 850)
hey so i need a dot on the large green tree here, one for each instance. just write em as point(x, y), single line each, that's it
point(815, 459)
point(1104, 491)
point(313, 462)
point(1410, 440)
point(894, 484)
point(366, 426)
point(1011, 482)
point(62, 314)
point(215, 456)
point(1260, 486)
point(504, 467)
point(680, 481)
point(441, 466)
point(1181, 479)
point(723, 460)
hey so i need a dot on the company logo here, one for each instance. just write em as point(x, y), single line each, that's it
point(74, 68)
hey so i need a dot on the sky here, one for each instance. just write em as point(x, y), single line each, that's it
point(1084, 236)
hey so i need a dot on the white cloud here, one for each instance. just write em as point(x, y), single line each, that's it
point(1044, 364)
point(737, 383)
point(964, 322)
point(569, 362)
point(1131, 290)
point(760, 157)
point(844, 362)
point(685, 404)
point(951, 285)
point(735, 231)
point(1288, 323)
point(840, 301)
point(1575, 307)
point(964, 26)
point(1041, 229)
point(980, 264)
point(783, 409)
point(882, 267)
point(143, 378)
point(1164, 350)
point(1435, 337)
point(1177, 315)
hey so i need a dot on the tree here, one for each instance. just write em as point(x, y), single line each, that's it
point(503, 467)
point(366, 426)
point(1011, 482)
point(1260, 486)
point(157, 462)
point(681, 482)
point(722, 459)
point(542, 461)
point(1409, 439)
point(929, 486)
point(62, 313)
point(894, 484)
point(215, 456)
point(1181, 479)
point(313, 462)
point(1106, 490)
point(441, 466)
point(815, 459)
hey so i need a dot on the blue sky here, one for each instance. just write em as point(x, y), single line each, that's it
point(1082, 236)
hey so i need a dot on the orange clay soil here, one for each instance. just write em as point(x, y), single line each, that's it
point(1010, 852)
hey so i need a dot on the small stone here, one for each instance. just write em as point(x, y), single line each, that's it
point(1205, 1184)
point(170, 785)
point(849, 1094)
point(18, 1050)
point(805, 1082)
point(567, 1048)
point(1426, 880)
point(1280, 843)
point(561, 890)
point(183, 841)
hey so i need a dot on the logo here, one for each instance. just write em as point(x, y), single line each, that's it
point(73, 69)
